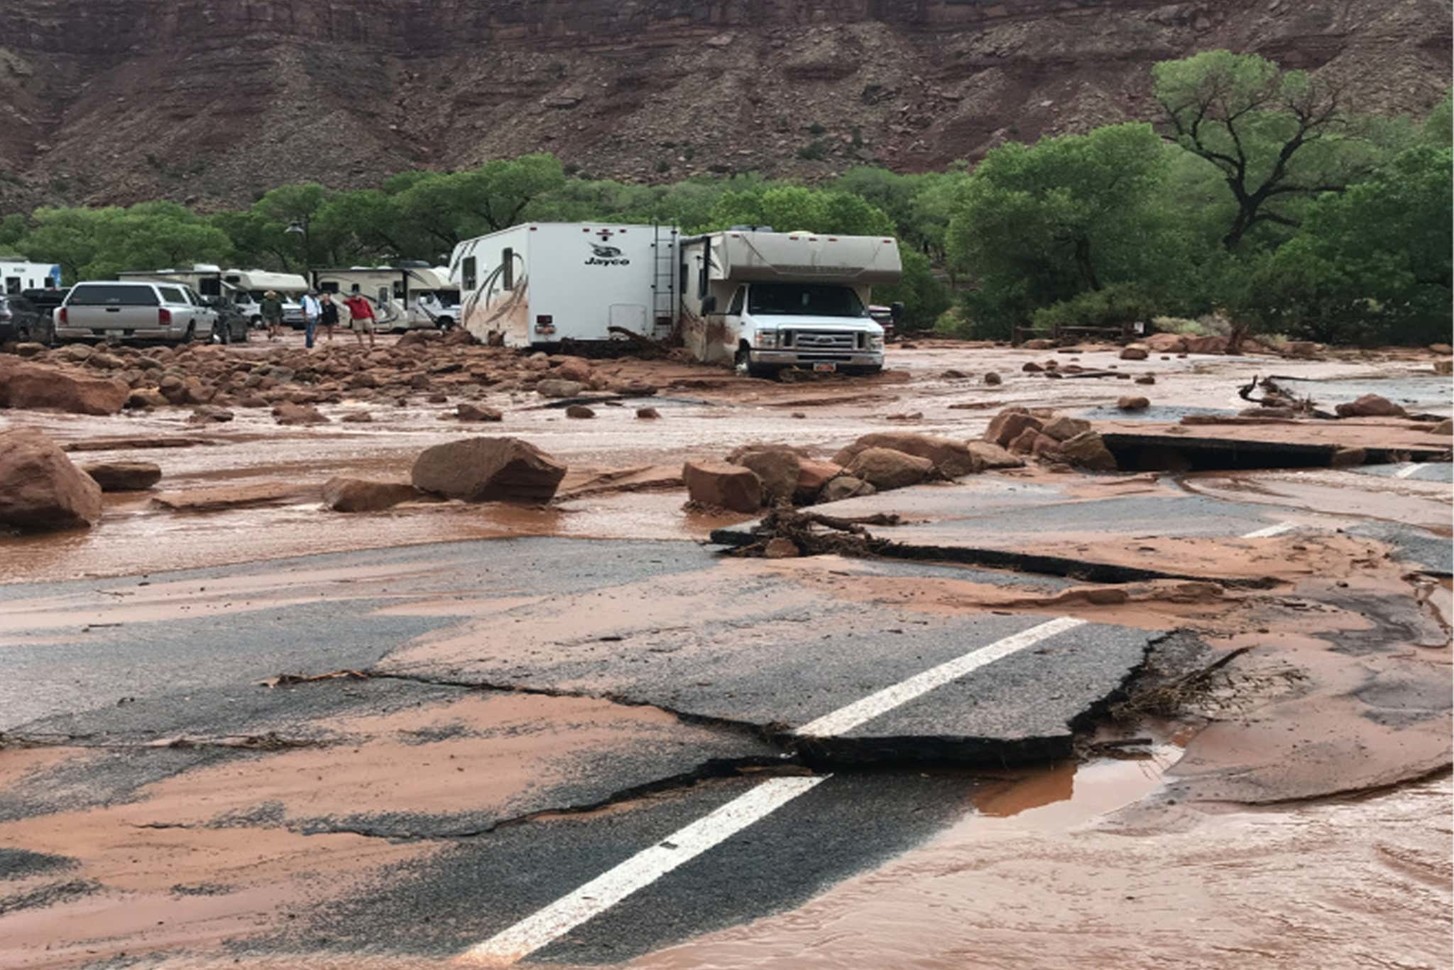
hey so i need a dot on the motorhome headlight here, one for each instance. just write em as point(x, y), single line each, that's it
point(765, 338)
point(875, 341)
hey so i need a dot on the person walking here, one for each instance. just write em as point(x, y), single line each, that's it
point(271, 310)
point(327, 315)
point(312, 310)
point(363, 317)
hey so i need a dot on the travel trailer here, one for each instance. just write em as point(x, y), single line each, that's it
point(16, 275)
point(407, 297)
point(758, 299)
point(244, 289)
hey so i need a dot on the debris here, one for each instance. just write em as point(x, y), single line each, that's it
point(289, 680)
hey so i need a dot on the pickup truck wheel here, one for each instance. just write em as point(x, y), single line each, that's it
point(191, 333)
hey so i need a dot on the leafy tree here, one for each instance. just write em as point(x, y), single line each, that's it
point(99, 243)
point(1370, 265)
point(12, 228)
point(1037, 224)
point(924, 297)
point(788, 208)
point(1274, 136)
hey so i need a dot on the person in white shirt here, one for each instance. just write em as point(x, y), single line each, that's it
point(312, 310)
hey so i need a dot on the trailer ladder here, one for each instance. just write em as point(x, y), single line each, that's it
point(664, 283)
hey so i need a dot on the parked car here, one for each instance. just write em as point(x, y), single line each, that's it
point(114, 310)
point(230, 323)
point(28, 315)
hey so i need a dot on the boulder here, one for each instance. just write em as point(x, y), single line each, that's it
point(287, 413)
point(1165, 343)
point(357, 417)
point(124, 476)
point(487, 470)
point(146, 397)
point(36, 386)
point(555, 388)
point(777, 468)
point(1370, 406)
point(648, 414)
point(1087, 450)
point(887, 468)
point(947, 456)
point(993, 380)
point(1207, 345)
point(1025, 441)
point(721, 485)
point(992, 456)
point(1030, 367)
point(476, 412)
point(579, 411)
point(1064, 428)
point(40, 488)
point(1135, 352)
point(1146, 379)
point(1132, 403)
point(1444, 367)
point(210, 414)
point(813, 476)
point(1009, 424)
point(1443, 429)
point(574, 369)
point(844, 487)
point(362, 495)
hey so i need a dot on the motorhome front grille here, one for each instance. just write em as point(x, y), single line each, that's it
point(821, 340)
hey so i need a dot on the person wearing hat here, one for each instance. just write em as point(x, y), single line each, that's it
point(271, 309)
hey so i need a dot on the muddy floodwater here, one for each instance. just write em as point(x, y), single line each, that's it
point(1264, 783)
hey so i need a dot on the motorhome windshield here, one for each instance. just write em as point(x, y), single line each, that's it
point(803, 300)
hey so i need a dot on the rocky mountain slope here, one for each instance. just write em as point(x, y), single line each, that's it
point(214, 101)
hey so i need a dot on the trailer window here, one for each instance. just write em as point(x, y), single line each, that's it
point(738, 298)
point(702, 278)
point(507, 269)
point(12, 285)
point(804, 300)
point(467, 272)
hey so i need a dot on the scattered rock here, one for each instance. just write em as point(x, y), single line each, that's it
point(1206, 345)
point(124, 476)
point(648, 414)
point(953, 375)
point(357, 417)
point(1370, 406)
point(813, 477)
point(1039, 343)
point(1444, 367)
point(1130, 403)
point(476, 412)
point(1445, 349)
point(288, 413)
point(887, 468)
point(779, 547)
point(1087, 450)
point(579, 411)
point(225, 497)
point(1146, 379)
point(554, 388)
point(417, 338)
point(575, 369)
point(948, 457)
point(845, 487)
point(722, 485)
point(488, 469)
point(778, 469)
point(210, 414)
point(25, 384)
point(143, 398)
point(1009, 424)
point(1165, 343)
point(993, 380)
point(40, 488)
point(362, 495)
point(1134, 352)
point(1444, 428)
point(992, 456)
point(1030, 367)
point(437, 398)
point(1064, 428)
point(29, 349)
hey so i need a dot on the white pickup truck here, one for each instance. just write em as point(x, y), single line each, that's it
point(115, 310)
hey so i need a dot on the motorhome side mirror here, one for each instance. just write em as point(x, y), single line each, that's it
point(709, 304)
point(896, 310)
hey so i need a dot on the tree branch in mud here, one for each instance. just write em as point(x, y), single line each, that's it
point(847, 536)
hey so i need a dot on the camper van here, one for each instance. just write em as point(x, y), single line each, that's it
point(407, 297)
point(244, 289)
point(757, 299)
point(17, 275)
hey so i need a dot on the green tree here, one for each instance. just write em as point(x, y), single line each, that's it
point(1274, 136)
point(99, 243)
point(1037, 224)
point(790, 208)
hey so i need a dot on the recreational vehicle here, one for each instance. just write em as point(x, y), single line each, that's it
point(244, 289)
point(16, 275)
point(407, 297)
point(757, 299)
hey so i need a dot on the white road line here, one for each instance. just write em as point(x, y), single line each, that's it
point(639, 871)
point(847, 718)
point(1270, 531)
point(1408, 470)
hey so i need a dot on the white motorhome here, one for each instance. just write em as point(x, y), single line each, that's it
point(544, 283)
point(407, 297)
point(17, 274)
point(243, 288)
point(760, 300)
point(768, 300)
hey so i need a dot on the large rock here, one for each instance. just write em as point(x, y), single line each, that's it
point(1064, 427)
point(40, 488)
point(1207, 345)
point(1132, 402)
point(722, 485)
point(1444, 428)
point(1370, 406)
point(361, 495)
point(575, 369)
point(1166, 343)
point(476, 412)
point(288, 413)
point(814, 476)
point(488, 470)
point(845, 487)
point(39, 387)
point(1010, 424)
point(1135, 352)
point(1087, 450)
point(556, 388)
point(885, 468)
point(124, 476)
point(992, 457)
point(948, 457)
point(777, 468)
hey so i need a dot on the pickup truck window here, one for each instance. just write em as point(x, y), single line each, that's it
point(173, 295)
point(111, 294)
point(804, 300)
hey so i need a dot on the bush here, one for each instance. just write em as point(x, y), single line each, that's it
point(1112, 306)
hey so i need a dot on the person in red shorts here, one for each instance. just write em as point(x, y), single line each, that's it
point(363, 317)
